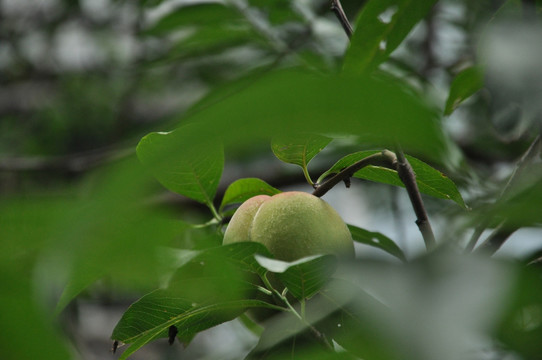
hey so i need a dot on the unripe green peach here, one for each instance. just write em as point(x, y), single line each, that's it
point(239, 227)
point(291, 225)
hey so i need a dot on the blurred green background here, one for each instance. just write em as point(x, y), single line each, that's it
point(83, 225)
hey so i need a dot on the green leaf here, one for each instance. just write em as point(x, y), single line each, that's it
point(213, 40)
point(430, 181)
point(521, 205)
point(379, 29)
point(26, 326)
point(277, 11)
point(378, 240)
point(196, 14)
point(214, 286)
point(299, 149)
point(465, 84)
point(151, 317)
point(219, 272)
point(263, 108)
point(113, 229)
point(243, 189)
point(354, 318)
point(303, 277)
point(187, 161)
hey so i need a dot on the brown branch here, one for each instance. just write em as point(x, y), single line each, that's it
point(407, 176)
point(396, 162)
point(402, 166)
point(384, 158)
point(337, 8)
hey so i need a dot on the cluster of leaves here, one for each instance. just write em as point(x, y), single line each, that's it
point(209, 288)
point(441, 305)
point(344, 308)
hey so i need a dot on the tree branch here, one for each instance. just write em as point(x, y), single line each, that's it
point(384, 158)
point(337, 8)
point(407, 176)
point(396, 162)
point(401, 165)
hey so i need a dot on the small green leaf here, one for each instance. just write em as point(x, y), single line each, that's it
point(187, 161)
point(299, 149)
point(465, 84)
point(380, 28)
point(304, 277)
point(243, 189)
point(377, 240)
point(430, 181)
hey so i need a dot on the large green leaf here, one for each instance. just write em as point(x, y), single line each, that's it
point(243, 189)
point(265, 107)
point(213, 40)
point(277, 11)
point(108, 230)
point(195, 14)
point(306, 278)
point(151, 317)
point(219, 267)
point(99, 228)
point(27, 330)
point(430, 181)
point(188, 161)
point(303, 277)
point(380, 28)
point(213, 286)
point(465, 84)
point(377, 240)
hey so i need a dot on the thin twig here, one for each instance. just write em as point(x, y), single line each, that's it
point(337, 8)
point(496, 239)
point(407, 176)
point(384, 158)
point(476, 235)
point(530, 153)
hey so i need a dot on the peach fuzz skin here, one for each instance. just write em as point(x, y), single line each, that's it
point(291, 225)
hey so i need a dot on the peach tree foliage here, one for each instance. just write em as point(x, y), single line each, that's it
point(362, 117)
point(323, 307)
